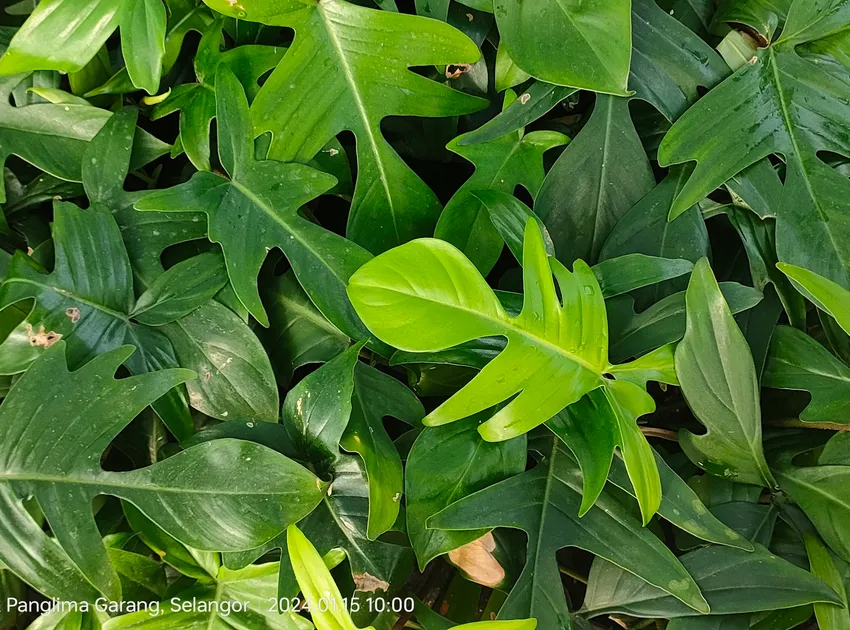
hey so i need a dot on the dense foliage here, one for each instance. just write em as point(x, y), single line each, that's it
point(489, 315)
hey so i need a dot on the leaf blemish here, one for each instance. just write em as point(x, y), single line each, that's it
point(73, 313)
point(367, 583)
point(41, 338)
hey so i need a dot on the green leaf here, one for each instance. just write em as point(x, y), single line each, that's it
point(446, 464)
point(317, 410)
point(633, 334)
point(143, 24)
point(539, 99)
point(258, 209)
point(447, 303)
point(317, 585)
point(196, 102)
point(181, 289)
point(357, 90)
point(171, 492)
point(598, 34)
point(235, 377)
point(796, 361)
point(828, 296)
point(54, 137)
point(732, 581)
point(61, 35)
point(544, 502)
point(584, 196)
point(769, 107)
point(242, 598)
point(508, 74)
point(829, 616)
point(669, 62)
point(644, 229)
point(515, 159)
point(509, 216)
point(823, 492)
point(633, 271)
point(298, 333)
point(377, 395)
point(718, 379)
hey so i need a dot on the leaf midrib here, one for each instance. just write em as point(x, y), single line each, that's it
point(107, 481)
point(359, 103)
point(506, 322)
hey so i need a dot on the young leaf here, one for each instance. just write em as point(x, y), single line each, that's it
point(545, 502)
point(718, 378)
point(448, 303)
point(258, 209)
point(822, 564)
point(355, 90)
point(96, 407)
point(828, 296)
point(143, 25)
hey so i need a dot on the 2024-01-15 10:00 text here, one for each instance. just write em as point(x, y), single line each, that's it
point(352, 605)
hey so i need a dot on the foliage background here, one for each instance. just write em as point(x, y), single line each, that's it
point(519, 309)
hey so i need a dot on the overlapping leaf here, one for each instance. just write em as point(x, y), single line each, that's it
point(560, 344)
point(331, 80)
point(64, 475)
point(786, 104)
point(258, 208)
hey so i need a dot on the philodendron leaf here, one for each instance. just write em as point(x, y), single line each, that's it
point(822, 564)
point(796, 361)
point(247, 491)
point(545, 503)
point(515, 159)
point(317, 585)
point(598, 34)
point(823, 492)
point(257, 209)
point(196, 102)
point(780, 103)
point(377, 395)
point(560, 344)
point(718, 379)
point(732, 581)
point(298, 333)
point(181, 289)
point(54, 137)
point(467, 464)
point(355, 91)
point(833, 299)
point(582, 198)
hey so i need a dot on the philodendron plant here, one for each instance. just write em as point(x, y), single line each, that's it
point(426, 314)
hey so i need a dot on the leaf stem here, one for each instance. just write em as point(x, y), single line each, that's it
point(664, 434)
point(797, 423)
